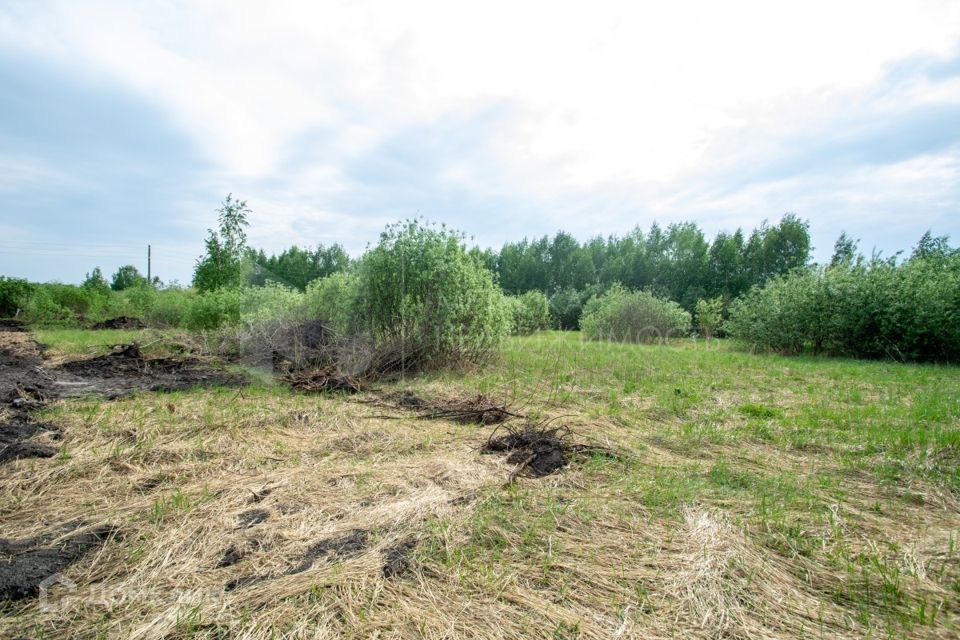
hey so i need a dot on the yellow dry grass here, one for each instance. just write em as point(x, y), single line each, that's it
point(582, 554)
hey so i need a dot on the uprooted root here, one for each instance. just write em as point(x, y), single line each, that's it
point(538, 450)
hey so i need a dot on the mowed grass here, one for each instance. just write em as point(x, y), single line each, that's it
point(747, 496)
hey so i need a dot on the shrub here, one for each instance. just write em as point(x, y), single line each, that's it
point(214, 309)
point(419, 287)
point(566, 307)
point(709, 314)
point(881, 309)
point(14, 294)
point(530, 312)
point(333, 299)
point(633, 316)
point(271, 302)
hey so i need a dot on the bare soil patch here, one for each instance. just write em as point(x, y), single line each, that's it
point(24, 387)
point(26, 563)
point(126, 370)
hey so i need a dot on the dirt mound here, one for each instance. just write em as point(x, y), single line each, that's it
point(24, 564)
point(126, 369)
point(120, 322)
point(538, 450)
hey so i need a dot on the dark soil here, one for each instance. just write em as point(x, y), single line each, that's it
point(24, 387)
point(121, 322)
point(126, 370)
point(330, 549)
point(252, 517)
point(538, 450)
point(231, 556)
point(24, 564)
point(398, 559)
point(349, 544)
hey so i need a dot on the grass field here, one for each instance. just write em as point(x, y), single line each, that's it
point(746, 496)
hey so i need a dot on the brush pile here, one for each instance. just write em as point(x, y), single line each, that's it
point(325, 379)
point(312, 357)
point(475, 409)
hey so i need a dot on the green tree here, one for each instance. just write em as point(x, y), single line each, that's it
point(126, 277)
point(844, 250)
point(94, 281)
point(222, 265)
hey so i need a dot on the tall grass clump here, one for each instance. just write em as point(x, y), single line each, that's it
point(621, 315)
point(866, 309)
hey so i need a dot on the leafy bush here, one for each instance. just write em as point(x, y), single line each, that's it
point(633, 316)
point(709, 313)
point(332, 298)
point(566, 307)
point(271, 302)
point(214, 309)
point(14, 294)
point(530, 312)
point(419, 287)
point(880, 309)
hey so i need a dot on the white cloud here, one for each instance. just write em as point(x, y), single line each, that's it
point(632, 98)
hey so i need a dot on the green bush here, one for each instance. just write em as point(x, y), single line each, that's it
point(332, 299)
point(59, 303)
point(530, 312)
point(213, 309)
point(14, 294)
point(709, 313)
point(633, 316)
point(880, 309)
point(566, 307)
point(271, 302)
point(419, 287)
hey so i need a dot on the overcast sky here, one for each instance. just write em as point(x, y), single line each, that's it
point(126, 123)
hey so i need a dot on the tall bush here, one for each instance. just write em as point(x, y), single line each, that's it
point(14, 294)
point(878, 309)
point(420, 288)
point(530, 312)
point(633, 316)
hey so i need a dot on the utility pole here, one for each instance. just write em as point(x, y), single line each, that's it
point(149, 273)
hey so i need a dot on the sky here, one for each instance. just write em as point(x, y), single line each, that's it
point(124, 124)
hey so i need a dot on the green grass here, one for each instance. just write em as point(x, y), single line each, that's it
point(837, 477)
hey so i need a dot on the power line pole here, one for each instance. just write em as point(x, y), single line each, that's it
point(149, 273)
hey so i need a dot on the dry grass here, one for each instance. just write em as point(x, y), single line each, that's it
point(678, 536)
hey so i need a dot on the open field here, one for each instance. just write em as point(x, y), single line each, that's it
point(738, 496)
